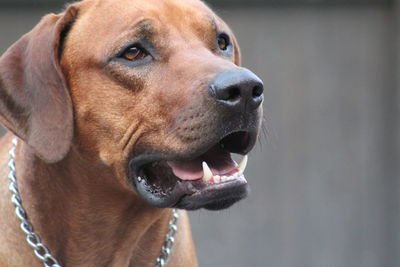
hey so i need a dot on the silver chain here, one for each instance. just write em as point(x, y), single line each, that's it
point(169, 240)
point(40, 250)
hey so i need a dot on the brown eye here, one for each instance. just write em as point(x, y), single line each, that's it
point(223, 42)
point(134, 53)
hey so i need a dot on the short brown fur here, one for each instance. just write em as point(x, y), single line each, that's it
point(80, 118)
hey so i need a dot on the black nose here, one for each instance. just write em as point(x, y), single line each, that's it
point(240, 90)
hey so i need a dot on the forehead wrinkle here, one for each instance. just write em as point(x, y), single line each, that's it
point(142, 30)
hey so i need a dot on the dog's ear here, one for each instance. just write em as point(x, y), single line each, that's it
point(34, 99)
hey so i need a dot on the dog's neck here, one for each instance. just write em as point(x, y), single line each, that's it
point(84, 216)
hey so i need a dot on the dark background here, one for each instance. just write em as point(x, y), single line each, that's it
point(325, 179)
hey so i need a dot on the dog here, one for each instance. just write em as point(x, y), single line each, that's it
point(123, 111)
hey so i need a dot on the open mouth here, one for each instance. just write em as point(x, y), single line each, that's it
point(211, 180)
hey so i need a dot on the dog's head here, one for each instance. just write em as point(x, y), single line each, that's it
point(151, 88)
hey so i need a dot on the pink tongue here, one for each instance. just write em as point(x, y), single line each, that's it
point(219, 161)
point(191, 170)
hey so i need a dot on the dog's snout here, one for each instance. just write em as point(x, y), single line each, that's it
point(240, 90)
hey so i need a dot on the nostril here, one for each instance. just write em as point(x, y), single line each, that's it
point(230, 94)
point(234, 93)
point(257, 91)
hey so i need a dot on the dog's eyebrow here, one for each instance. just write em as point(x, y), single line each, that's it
point(144, 29)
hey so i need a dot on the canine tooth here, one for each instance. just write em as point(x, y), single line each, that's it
point(242, 164)
point(207, 174)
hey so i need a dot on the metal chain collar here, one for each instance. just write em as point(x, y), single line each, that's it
point(40, 250)
point(169, 240)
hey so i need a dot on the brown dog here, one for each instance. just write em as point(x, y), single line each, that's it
point(117, 104)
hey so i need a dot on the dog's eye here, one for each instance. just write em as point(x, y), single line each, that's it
point(223, 42)
point(134, 53)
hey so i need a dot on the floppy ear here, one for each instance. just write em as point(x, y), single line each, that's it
point(34, 100)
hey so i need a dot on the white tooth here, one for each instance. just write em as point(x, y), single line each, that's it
point(224, 178)
point(217, 179)
point(207, 174)
point(242, 164)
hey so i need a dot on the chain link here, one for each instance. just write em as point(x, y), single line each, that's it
point(169, 240)
point(40, 250)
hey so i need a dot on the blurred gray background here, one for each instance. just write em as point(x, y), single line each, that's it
point(325, 178)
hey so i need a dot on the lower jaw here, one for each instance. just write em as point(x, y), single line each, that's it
point(216, 197)
point(192, 195)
